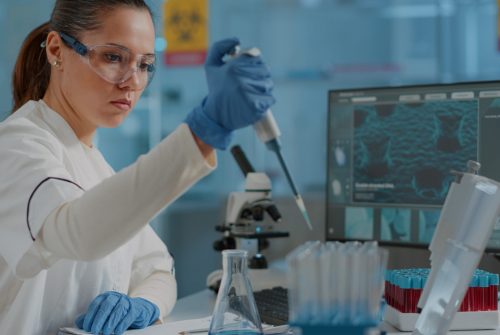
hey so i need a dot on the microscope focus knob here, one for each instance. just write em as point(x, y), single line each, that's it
point(224, 244)
point(258, 262)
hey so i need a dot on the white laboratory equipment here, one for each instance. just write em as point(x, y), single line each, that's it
point(469, 214)
point(245, 226)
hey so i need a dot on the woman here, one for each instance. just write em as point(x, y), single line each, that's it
point(74, 239)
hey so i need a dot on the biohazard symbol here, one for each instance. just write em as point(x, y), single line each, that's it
point(186, 23)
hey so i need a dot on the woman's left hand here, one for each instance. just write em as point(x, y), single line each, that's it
point(113, 313)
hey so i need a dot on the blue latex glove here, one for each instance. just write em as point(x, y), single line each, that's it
point(113, 313)
point(239, 93)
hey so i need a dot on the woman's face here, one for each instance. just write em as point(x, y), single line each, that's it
point(95, 101)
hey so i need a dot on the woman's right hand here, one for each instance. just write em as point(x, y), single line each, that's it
point(240, 92)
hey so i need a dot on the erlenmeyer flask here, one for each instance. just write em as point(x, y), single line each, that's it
point(235, 310)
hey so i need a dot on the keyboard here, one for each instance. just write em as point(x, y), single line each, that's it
point(272, 305)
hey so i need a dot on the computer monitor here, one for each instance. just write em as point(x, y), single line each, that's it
point(391, 151)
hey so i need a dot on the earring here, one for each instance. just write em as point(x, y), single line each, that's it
point(56, 63)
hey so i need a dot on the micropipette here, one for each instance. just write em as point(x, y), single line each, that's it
point(268, 132)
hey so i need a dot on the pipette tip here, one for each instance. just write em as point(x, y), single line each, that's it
point(303, 210)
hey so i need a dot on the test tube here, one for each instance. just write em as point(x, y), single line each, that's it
point(416, 285)
point(378, 262)
point(465, 306)
point(394, 289)
point(474, 296)
point(494, 281)
point(309, 284)
point(405, 285)
point(399, 292)
point(343, 280)
point(387, 287)
point(483, 292)
point(336, 275)
point(297, 282)
point(355, 258)
point(325, 276)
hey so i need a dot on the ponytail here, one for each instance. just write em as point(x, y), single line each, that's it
point(31, 74)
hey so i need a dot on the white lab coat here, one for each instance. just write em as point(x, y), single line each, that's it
point(47, 179)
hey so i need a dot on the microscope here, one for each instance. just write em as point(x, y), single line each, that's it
point(246, 225)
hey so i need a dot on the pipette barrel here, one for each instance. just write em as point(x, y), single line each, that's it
point(268, 132)
point(275, 146)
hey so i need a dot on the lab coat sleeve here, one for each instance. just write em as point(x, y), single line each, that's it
point(152, 275)
point(33, 182)
point(111, 213)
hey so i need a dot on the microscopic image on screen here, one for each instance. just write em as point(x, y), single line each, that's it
point(358, 223)
point(403, 152)
point(427, 223)
point(341, 154)
point(395, 224)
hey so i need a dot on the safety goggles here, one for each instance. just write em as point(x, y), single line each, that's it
point(114, 63)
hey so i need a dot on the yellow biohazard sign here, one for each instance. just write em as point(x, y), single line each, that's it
point(186, 31)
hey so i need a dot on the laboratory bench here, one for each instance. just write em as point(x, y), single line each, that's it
point(193, 311)
point(201, 304)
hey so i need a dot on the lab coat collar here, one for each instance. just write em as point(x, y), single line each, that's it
point(59, 126)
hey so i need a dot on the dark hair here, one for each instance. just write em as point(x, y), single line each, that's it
point(31, 74)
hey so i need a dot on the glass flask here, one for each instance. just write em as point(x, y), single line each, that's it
point(235, 311)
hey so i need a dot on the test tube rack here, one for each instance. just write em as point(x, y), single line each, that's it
point(479, 308)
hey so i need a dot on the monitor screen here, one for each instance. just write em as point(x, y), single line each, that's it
point(391, 151)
